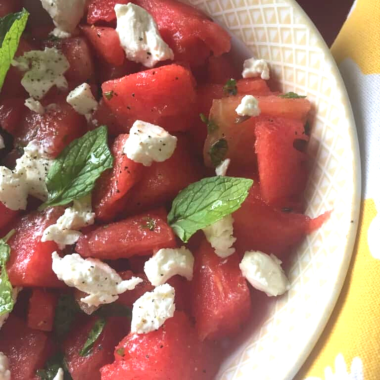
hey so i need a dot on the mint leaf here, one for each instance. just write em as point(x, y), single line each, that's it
point(205, 202)
point(114, 310)
point(94, 334)
point(230, 88)
point(218, 152)
point(65, 314)
point(11, 28)
point(292, 95)
point(74, 172)
point(51, 368)
point(6, 289)
point(211, 125)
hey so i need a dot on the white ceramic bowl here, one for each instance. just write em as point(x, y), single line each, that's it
point(285, 330)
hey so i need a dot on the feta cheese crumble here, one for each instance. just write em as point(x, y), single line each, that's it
point(44, 69)
point(13, 189)
point(15, 291)
point(222, 168)
point(167, 263)
point(152, 309)
point(264, 273)
point(220, 236)
point(253, 68)
point(66, 230)
point(34, 164)
point(92, 276)
point(35, 106)
point(148, 142)
point(5, 373)
point(60, 375)
point(139, 36)
point(65, 14)
point(249, 106)
point(82, 100)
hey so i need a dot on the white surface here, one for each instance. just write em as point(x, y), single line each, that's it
point(220, 236)
point(139, 36)
point(44, 70)
point(169, 262)
point(152, 309)
point(92, 276)
point(264, 273)
point(148, 142)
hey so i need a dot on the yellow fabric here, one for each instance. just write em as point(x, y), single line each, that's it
point(349, 348)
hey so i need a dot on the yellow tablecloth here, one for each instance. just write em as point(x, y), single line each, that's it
point(349, 348)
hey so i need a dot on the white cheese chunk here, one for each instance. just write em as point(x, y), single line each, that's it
point(148, 142)
point(13, 189)
point(44, 69)
point(5, 373)
point(35, 166)
point(222, 168)
point(152, 309)
point(167, 263)
point(15, 291)
point(82, 100)
point(60, 375)
point(249, 106)
point(264, 273)
point(65, 14)
point(253, 68)
point(35, 106)
point(59, 33)
point(220, 236)
point(92, 276)
point(66, 230)
point(139, 36)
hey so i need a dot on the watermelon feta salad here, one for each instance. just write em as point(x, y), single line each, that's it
point(150, 185)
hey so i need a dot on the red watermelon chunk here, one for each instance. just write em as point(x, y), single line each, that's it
point(260, 227)
point(7, 216)
point(12, 111)
point(9, 6)
point(106, 43)
point(56, 128)
point(162, 181)
point(30, 262)
point(220, 69)
point(26, 349)
point(137, 235)
point(88, 367)
point(164, 96)
point(283, 169)
point(111, 190)
point(221, 303)
point(189, 32)
point(171, 353)
point(102, 10)
point(41, 312)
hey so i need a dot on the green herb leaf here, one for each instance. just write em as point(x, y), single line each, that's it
point(93, 336)
point(11, 28)
point(211, 125)
point(6, 289)
point(292, 95)
point(113, 310)
point(230, 88)
point(51, 368)
point(218, 152)
point(120, 351)
point(205, 202)
point(65, 314)
point(148, 224)
point(109, 94)
point(74, 172)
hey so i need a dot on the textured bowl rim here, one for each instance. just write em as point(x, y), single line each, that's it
point(355, 201)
